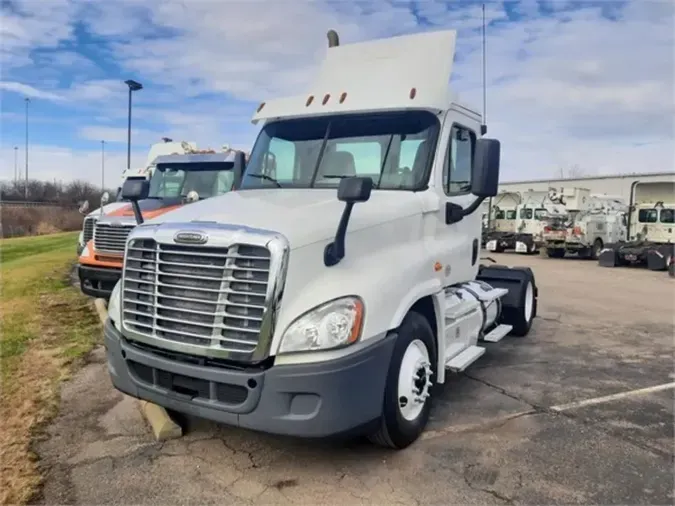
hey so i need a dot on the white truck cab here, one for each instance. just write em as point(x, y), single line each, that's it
point(343, 279)
point(651, 229)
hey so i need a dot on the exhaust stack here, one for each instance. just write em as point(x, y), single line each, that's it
point(333, 39)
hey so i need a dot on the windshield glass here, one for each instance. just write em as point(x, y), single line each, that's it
point(393, 149)
point(177, 180)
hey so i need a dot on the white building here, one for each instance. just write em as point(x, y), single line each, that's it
point(618, 185)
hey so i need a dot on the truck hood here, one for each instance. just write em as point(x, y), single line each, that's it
point(150, 208)
point(303, 216)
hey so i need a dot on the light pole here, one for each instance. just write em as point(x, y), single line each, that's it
point(102, 166)
point(133, 86)
point(26, 188)
point(16, 164)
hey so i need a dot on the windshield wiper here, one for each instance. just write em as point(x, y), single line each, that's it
point(335, 176)
point(266, 177)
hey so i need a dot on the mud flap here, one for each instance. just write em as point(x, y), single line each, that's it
point(658, 258)
point(608, 257)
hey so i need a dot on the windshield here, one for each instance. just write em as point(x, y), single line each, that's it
point(393, 149)
point(177, 180)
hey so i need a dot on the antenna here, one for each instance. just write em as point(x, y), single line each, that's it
point(483, 127)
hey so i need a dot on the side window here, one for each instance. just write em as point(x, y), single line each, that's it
point(457, 169)
point(510, 215)
point(647, 215)
point(280, 163)
point(667, 216)
point(367, 156)
point(526, 213)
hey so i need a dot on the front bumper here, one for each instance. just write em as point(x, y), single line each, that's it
point(309, 400)
point(98, 281)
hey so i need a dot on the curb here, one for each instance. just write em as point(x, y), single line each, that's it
point(163, 427)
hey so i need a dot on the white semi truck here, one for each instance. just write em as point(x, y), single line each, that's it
point(590, 222)
point(651, 229)
point(333, 290)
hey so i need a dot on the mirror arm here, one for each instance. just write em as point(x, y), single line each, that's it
point(137, 211)
point(474, 205)
point(335, 251)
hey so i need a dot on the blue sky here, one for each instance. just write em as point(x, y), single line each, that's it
point(570, 84)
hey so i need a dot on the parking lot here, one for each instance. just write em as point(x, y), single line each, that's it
point(525, 424)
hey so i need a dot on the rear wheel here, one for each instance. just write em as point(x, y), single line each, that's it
point(407, 395)
point(555, 252)
point(522, 315)
point(596, 249)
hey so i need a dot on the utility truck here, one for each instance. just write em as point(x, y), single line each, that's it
point(651, 229)
point(500, 232)
point(342, 280)
point(176, 180)
point(590, 222)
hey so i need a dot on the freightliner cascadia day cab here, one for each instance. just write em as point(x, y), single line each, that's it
point(166, 147)
point(176, 180)
point(342, 280)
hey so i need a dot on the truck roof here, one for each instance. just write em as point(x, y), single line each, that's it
point(396, 73)
point(227, 157)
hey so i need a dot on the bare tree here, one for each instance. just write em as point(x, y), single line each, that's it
point(572, 172)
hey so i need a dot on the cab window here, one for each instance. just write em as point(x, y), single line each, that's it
point(499, 215)
point(647, 215)
point(667, 216)
point(511, 215)
point(540, 214)
point(526, 213)
point(459, 161)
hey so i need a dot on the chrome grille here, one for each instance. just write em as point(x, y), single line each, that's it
point(111, 238)
point(209, 297)
point(88, 229)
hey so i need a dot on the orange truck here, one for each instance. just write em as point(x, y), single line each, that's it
point(177, 180)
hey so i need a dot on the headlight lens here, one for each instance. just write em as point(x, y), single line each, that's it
point(332, 325)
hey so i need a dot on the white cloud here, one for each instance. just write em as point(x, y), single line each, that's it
point(29, 91)
point(50, 163)
point(572, 87)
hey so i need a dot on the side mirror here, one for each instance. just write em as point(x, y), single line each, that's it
point(135, 190)
point(238, 169)
point(350, 191)
point(485, 170)
point(355, 189)
point(84, 207)
point(105, 198)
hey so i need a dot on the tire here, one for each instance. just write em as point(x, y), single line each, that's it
point(522, 316)
point(401, 425)
point(596, 249)
point(555, 252)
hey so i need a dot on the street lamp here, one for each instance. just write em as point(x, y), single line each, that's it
point(26, 188)
point(102, 166)
point(133, 86)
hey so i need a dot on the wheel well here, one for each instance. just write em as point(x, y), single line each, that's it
point(425, 307)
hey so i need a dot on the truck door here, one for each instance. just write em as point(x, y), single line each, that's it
point(459, 242)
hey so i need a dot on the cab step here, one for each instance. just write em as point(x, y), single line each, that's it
point(498, 333)
point(465, 359)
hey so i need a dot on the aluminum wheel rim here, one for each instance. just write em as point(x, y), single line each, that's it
point(529, 301)
point(414, 380)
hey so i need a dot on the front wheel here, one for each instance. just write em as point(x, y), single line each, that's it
point(597, 248)
point(407, 395)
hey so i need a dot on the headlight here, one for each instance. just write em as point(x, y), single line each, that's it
point(332, 325)
point(85, 252)
point(114, 303)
